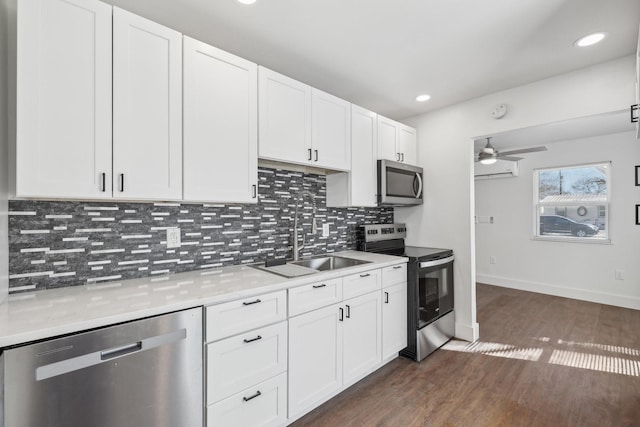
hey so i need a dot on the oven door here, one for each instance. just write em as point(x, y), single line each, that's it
point(435, 290)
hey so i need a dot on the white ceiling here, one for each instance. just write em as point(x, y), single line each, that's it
point(380, 54)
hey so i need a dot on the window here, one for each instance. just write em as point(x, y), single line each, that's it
point(572, 203)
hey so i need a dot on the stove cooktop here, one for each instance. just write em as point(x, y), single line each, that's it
point(425, 254)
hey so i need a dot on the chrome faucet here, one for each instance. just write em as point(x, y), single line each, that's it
point(314, 228)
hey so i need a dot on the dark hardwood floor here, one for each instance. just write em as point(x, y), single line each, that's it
point(540, 361)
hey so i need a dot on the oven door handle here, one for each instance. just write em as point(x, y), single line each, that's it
point(437, 262)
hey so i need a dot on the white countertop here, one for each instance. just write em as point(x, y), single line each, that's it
point(44, 314)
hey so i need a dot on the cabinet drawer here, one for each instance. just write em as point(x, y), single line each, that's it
point(234, 317)
point(241, 361)
point(262, 405)
point(315, 295)
point(394, 274)
point(360, 284)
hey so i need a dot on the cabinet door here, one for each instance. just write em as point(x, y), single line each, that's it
point(388, 139)
point(364, 137)
point(362, 336)
point(147, 109)
point(331, 131)
point(315, 358)
point(407, 144)
point(394, 320)
point(63, 99)
point(284, 106)
point(220, 125)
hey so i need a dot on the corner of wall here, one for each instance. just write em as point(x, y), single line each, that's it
point(4, 145)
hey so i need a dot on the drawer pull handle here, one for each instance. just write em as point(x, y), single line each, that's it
point(397, 267)
point(341, 318)
point(253, 339)
point(365, 275)
point(348, 311)
point(246, 399)
point(251, 302)
point(319, 286)
point(386, 297)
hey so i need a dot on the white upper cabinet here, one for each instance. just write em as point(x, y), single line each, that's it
point(387, 139)
point(331, 131)
point(285, 118)
point(147, 109)
point(63, 145)
point(220, 125)
point(302, 125)
point(407, 144)
point(396, 141)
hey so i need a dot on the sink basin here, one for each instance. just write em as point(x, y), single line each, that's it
point(311, 266)
point(328, 263)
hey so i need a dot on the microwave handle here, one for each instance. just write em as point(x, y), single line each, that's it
point(419, 192)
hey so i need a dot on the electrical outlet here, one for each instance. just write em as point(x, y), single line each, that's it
point(173, 237)
point(492, 260)
point(325, 230)
point(619, 274)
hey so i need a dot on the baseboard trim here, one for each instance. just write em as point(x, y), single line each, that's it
point(469, 333)
point(624, 301)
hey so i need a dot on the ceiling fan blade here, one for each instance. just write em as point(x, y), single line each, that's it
point(512, 158)
point(525, 150)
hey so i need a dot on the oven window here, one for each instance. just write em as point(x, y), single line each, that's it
point(435, 294)
point(401, 183)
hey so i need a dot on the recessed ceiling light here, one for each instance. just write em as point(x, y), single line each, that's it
point(423, 98)
point(247, 1)
point(590, 39)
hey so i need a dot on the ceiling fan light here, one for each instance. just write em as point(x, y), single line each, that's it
point(488, 161)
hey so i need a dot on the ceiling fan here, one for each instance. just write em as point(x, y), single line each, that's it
point(489, 155)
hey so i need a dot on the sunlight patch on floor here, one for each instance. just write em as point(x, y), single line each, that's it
point(596, 362)
point(603, 347)
point(574, 359)
point(495, 349)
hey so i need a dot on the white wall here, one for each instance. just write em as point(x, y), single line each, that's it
point(4, 138)
point(445, 150)
point(575, 270)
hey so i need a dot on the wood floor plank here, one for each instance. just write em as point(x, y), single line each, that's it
point(541, 361)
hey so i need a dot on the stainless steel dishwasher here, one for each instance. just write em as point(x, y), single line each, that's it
point(142, 373)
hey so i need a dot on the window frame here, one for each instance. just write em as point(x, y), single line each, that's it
point(538, 205)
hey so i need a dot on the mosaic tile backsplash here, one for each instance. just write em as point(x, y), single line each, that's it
point(61, 243)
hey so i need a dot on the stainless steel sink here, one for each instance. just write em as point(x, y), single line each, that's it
point(311, 266)
point(328, 263)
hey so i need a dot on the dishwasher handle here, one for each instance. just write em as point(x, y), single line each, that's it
point(121, 350)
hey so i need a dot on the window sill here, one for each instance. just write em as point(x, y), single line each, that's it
point(587, 240)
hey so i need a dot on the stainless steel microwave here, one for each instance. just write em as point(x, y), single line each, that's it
point(399, 184)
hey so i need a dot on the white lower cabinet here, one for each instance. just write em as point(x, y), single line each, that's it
point(361, 338)
point(332, 347)
point(315, 357)
point(241, 361)
point(263, 405)
point(246, 361)
point(394, 319)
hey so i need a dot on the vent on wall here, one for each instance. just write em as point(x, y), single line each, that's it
point(499, 169)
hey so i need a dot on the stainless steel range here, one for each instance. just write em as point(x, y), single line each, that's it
point(431, 319)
